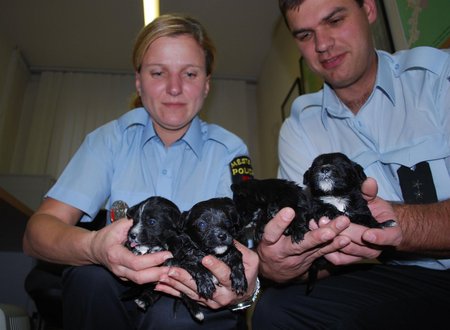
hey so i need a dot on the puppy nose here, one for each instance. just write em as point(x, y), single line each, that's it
point(222, 236)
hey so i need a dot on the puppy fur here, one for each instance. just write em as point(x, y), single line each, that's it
point(154, 228)
point(258, 201)
point(335, 185)
point(334, 182)
point(209, 229)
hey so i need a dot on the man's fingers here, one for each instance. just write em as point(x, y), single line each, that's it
point(276, 227)
point(369, 188)
point(391, 236)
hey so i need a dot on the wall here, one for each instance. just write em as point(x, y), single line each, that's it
point(5, 52)
point(57, 110)
point(231, 104)
point(13, 82)
point(280, 70)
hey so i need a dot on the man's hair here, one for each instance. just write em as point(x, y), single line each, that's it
point(286, 5)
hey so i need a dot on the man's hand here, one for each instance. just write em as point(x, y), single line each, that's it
point(367, 243)
point(281, 260)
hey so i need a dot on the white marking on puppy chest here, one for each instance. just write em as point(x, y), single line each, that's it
point(338, 202)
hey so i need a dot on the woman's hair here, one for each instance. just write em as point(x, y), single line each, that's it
point(171, 25)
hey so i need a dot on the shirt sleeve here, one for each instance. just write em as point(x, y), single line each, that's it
point(86, 180)
point(223, 189)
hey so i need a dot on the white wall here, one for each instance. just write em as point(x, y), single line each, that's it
point(13, 81)
point(280, 70)
point(47, 115)
point(232, 104)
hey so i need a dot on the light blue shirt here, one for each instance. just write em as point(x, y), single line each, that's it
point(406, 120)
point(126, 160)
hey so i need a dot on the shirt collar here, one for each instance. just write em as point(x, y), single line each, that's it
point(194, 137)
point(384, 80)
point(332, 105)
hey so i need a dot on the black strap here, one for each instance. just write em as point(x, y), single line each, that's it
point(417, 184)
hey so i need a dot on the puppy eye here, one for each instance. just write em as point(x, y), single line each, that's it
point(151, 221)
point(202, 225)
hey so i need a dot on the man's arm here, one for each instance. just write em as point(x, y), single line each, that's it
point(426, 228)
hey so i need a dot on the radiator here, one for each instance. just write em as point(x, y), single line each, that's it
point(13, 318)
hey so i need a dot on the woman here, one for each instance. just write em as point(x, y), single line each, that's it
point(161, 148)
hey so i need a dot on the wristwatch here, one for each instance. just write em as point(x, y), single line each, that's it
point(247, 303)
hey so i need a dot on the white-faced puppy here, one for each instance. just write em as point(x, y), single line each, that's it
point(154, 221)
point(154, 226)
point(258, 201)
point(209, 228)
point(335, 184)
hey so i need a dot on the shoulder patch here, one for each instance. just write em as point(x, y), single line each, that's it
point(241, 169)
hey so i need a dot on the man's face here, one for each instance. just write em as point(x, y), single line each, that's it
point(334, 38)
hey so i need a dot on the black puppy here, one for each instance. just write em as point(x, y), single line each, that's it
point(208, 229)
point(154, 228)
point(335, 185)
point(334, 182)
point(258, 201)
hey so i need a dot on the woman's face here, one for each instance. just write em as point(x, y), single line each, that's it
point(173, 84)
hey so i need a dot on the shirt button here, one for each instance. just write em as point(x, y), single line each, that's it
point(164, 172)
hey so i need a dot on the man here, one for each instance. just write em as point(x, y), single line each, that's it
point(391, 114)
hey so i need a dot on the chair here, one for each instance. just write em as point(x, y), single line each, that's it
point(44, 285)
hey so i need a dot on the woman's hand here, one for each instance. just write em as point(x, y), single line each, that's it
point(178, 280)
point(107, 248)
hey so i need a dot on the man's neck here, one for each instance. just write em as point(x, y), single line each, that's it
point(356, 102)
point(355, 95)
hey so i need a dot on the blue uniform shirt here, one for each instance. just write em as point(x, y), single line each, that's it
point(126, 160)
point(406, 120)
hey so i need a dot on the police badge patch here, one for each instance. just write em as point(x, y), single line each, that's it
point(241, 169)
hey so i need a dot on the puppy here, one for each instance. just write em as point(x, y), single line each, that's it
point(208, 229)
point(154, 228)
point(334, 182)
point(335, 185)
point(258, 201)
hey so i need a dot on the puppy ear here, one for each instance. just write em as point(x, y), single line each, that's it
point(233, 215)
point(359, 172)
point(181, 224)
point(307, 177)
point(131, 211)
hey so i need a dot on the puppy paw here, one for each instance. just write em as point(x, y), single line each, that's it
point(206, 287)
point(142, 304)
point(193, 308)
point(238, 280)
point(239, 285)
